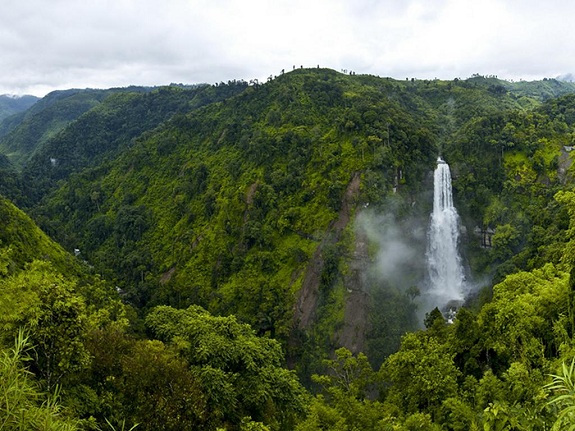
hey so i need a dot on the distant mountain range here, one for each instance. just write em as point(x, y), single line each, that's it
point(10, 105)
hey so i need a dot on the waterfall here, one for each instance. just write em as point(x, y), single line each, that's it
point(445, 270)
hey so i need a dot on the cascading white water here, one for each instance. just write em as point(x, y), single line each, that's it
point(446, 276)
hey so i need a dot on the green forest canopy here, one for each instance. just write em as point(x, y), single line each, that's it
point(221, 239)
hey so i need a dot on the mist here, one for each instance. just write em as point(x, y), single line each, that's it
point(397, 268)
point(398, 250)
point(400, 258)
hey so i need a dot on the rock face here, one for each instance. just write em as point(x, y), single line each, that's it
point(565, 162)
point(352, 333)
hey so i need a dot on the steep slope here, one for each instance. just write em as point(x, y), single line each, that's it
point(508, 167)
point(21, 133)
point(103, 131)
point(22, 241)
point(10, 185)
point(235, 206)
point(236, 180)
point(249, 206)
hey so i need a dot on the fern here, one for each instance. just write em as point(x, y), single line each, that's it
point(563, 388)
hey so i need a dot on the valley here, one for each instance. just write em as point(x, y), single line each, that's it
point(254, 256)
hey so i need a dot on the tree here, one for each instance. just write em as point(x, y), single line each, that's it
point(239, 373)
point(422, 374)
point(351, 374)
point(159, 391)
point(505, 241)
point(45, 302)
point(518, 324)
point(345, 404)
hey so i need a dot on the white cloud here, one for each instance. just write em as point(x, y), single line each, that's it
point(103, 43)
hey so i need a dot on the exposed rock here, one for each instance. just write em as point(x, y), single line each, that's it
point(167, 276)
point(355, 321)
point(564, 164)
point(304, 313)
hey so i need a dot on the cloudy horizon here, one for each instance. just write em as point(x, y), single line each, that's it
point(62, 44)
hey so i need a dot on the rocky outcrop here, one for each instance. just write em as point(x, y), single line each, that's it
point(355, 321)
point(307, 301)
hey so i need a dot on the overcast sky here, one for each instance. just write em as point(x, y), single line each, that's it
point(58, 44)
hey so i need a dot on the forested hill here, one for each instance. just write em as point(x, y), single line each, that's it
point(110, 127)
point(22, 132)
point(299, 207)
point(10, 105)
point(22, 241)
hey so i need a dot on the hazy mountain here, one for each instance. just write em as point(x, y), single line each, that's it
point(21, 133)
point(10, 105)
point(111, 127)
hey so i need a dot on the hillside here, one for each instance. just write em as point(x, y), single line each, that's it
point(255, 197)
point(291, 216)
point(21, 133)
point(10, 105)
point(27, 242)
point(243, 189)
point(110, 127)
point(73, 338)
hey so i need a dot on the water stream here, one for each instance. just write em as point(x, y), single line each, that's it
point(445, 270)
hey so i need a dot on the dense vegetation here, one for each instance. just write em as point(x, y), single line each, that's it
point(225, 234)
point(10, 105)
point(22, 132)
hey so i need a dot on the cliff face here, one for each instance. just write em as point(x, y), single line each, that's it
point(308, 296)
point(353, 333)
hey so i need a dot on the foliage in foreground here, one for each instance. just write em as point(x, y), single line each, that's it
point(563, 388)
point(23, 405)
